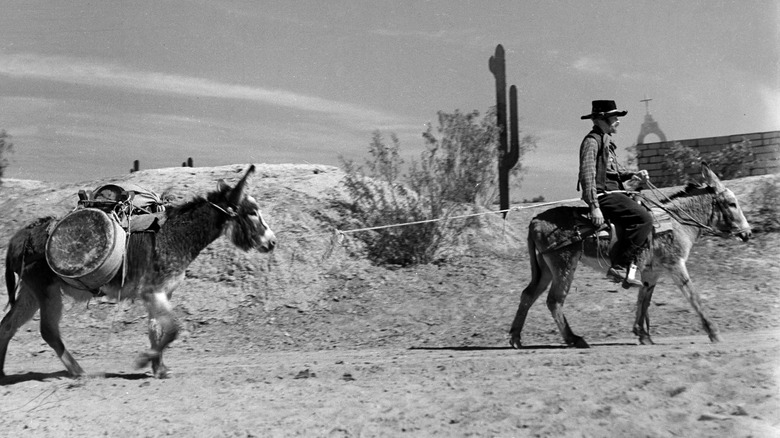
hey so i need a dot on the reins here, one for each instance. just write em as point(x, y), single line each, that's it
point(689, 220)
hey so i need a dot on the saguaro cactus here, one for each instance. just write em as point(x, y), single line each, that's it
point(508, 154)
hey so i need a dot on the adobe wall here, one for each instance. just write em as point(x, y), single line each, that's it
point(765, 147)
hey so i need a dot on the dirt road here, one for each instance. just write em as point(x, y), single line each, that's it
point(683, 386)
point(296, 344)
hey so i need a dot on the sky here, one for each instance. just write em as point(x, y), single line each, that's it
point(86, 87)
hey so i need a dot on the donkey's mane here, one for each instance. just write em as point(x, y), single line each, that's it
point(195, 202)
point(690, 190)
point(185, 207)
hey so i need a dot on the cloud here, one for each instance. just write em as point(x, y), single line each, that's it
point(75, 71)
point(397, 33)
point(591, 65)
point(464, 38)
point(598, 66)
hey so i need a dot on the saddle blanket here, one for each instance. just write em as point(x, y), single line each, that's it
point(662, 222)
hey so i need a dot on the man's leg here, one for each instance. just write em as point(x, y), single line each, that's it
point(637, 224)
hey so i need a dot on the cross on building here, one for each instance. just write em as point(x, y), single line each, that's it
point(646, 100)
point(649, 126)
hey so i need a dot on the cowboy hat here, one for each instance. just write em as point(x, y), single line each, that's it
point(603, 109)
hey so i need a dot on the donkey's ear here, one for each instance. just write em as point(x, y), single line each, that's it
point(238, 191)
point(710, 178)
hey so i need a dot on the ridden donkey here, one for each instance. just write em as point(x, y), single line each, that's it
point(711, 208)
point(155, 265)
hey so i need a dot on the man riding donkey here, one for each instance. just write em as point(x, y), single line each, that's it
point(602, 183)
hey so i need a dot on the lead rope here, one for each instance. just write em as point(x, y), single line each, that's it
point(230, 212)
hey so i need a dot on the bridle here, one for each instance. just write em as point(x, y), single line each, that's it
point(232, 214)
point(687, 219)
point(230, 211)
point(727, 219)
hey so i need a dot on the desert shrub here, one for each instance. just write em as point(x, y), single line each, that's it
point(732, 161)
point(377, 198)
point(460, 165)
point(632, 161)
point(458, 168)
point(534, 200)
point(765, 203)
point(682, 162)
point(5, 148)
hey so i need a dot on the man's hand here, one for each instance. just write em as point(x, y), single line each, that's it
point(596, 216)
point(638, 181)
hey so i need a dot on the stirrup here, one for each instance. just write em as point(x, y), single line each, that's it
point(630, 279)
point(626, 278)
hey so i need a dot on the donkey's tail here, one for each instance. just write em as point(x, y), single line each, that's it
point(533, 257)
point(10, 280)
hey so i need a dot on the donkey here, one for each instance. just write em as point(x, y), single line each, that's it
point(154, 266)
point(709, 208)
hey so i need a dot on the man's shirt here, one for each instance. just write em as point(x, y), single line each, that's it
point(588, 156)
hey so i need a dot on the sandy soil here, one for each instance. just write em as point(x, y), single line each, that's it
point(298, 344)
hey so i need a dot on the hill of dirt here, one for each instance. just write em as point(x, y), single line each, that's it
point(311, 295)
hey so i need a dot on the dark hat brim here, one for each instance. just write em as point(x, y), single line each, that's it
point(614, 113)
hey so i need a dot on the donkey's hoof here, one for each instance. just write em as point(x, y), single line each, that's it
point(579, 342)
point(78, 375)
point(515, 341)
point(646, 340)
point(715, 338)
point(161, 372)
point(144, 358)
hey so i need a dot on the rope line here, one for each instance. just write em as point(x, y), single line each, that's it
point(404, 224)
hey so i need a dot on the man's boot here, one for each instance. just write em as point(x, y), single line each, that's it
point(626, 277)
point(635, 254)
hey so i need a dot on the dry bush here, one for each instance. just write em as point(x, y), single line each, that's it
point(6, 147)
point(765, 200)
point(683, 162)
point(378, 199)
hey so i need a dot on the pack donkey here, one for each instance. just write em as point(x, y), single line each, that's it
point(710, 208)
point(154, 266)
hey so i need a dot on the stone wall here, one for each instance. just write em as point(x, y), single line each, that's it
point(765, 147)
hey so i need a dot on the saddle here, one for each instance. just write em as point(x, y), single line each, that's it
point(86, 248)
point(608, 234)
point(135, 208)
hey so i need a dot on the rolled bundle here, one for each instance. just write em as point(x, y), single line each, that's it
point(86, 248)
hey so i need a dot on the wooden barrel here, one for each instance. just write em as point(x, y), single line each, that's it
point(86, 248)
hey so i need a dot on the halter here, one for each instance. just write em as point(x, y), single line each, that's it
point(717, 209)
point(691, 221)
point(230, 212)
point(726, 218)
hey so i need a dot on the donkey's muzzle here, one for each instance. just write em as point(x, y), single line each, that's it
point(267, 242)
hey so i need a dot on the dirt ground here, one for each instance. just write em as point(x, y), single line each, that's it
point(312, 342)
